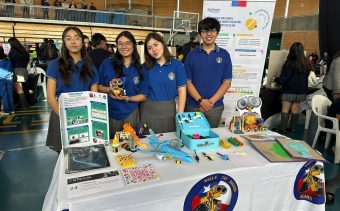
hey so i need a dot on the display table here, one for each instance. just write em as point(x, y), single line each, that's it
point(261, 185)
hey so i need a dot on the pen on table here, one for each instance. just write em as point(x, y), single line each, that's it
point(196, 157)
point(207, 156)
point(224, 156)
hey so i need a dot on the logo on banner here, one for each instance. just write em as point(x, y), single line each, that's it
point(214, 192)
point(309, 184)
point(260, 19)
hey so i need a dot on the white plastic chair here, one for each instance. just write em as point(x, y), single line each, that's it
point(42, 83)
point(320, 105)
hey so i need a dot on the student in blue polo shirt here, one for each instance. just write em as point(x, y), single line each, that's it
point(72, 72)
point(166, 80)
point(126, 66)
point(209, 73)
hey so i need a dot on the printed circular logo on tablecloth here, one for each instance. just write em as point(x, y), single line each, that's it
point(214, 192)
point(309, 183)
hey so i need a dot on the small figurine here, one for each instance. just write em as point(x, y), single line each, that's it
point(115, 144)
point(128, 128)
point(116, 87)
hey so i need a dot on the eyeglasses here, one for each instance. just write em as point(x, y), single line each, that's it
point(75, 38)
point(210, 30)
point(126, 44)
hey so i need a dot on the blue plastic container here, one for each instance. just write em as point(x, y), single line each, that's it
point(194, 131)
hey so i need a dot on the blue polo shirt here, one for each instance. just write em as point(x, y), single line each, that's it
point(77, 84)
point(132, 83)
point(164, 81)
point(207, 72)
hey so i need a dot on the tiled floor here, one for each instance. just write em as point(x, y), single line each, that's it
point(27, 166)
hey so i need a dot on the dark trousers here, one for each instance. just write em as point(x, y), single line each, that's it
point(26, 12)
point(6, 94)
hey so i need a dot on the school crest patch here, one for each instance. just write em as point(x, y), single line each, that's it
point(219, 60)
point(136, 80)
point(214, 192)
point(171, 76)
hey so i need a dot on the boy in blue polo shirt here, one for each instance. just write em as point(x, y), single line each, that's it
point(209, 74)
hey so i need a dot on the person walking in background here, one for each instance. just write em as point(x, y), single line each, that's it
point(166, 79)
point(93, 13)
point(51, 52)
point(191, 45)
point(325, 63)
point(87, 43)
point(58, 5)
point(72, 72)
point(331, 82)
point(26, 8)
point(64, 11)
point(127, 69)
point(99, 52)
point(19, 58)
point(10, 7)
point(45, 4)
point(294, 81)
point(209, 73)
point(6, 83)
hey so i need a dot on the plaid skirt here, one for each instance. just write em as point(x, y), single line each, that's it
point(293, 97)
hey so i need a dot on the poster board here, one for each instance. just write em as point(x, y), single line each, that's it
point(83, 119)
point(245, 30)
point(276, 61)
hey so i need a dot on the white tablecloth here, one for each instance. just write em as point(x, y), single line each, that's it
point(261, 185)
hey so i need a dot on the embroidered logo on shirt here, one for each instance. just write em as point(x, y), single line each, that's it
point(136, 80)
point(218, 59)
point(171, 76)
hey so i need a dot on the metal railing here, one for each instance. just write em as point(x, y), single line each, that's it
point(118, 17)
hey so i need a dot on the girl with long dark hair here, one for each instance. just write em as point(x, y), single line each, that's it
point(294, 81)
point(126, 68)
point(72, 72)
point(166, 80)
point(19, 58)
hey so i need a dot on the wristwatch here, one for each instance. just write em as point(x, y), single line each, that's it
point(199, 100)
point(128, 99)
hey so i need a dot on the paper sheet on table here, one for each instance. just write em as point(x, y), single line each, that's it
point(240, 157)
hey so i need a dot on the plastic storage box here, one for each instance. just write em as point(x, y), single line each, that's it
point(194, 130)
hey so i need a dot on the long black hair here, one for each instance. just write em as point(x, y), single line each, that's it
point(296, 58)
point(149, 60)
point(2, 53)
point(15, 44)
point(118, 62)
point(66, 64)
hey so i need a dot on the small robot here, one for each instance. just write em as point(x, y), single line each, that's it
point(117, 87)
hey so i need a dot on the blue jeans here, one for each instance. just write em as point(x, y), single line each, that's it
point(6, 94)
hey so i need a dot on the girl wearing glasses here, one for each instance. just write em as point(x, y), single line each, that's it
point(123, 80)
point(166, 80)
point(72, 72)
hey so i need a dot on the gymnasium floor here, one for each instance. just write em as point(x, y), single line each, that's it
point(27, 166)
